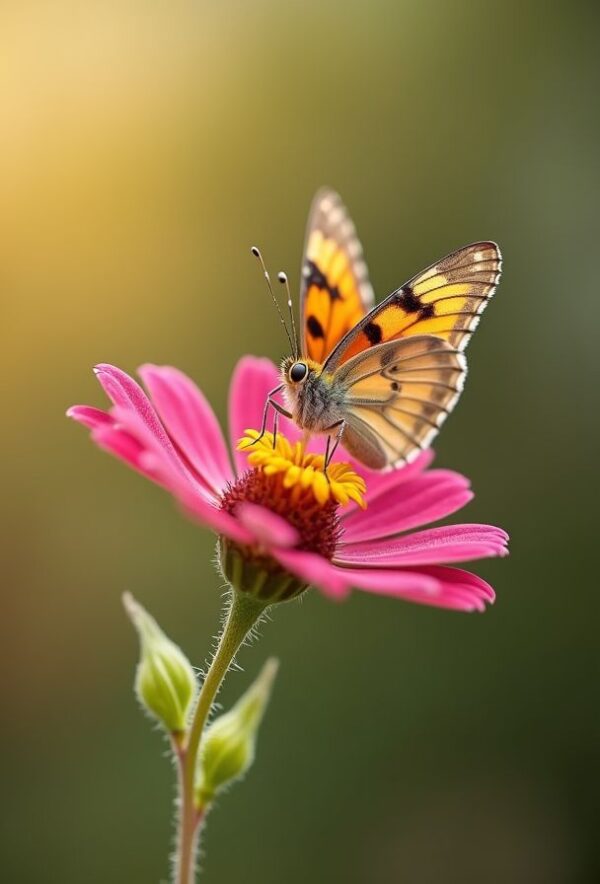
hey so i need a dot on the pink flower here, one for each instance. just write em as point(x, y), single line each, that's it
point(277, 520)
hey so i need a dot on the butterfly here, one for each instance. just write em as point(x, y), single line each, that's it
point(381, 378)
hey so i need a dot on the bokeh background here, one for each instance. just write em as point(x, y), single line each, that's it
point(144, 148)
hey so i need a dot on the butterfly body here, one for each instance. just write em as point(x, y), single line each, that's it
point(317, 401)
point(382, 379)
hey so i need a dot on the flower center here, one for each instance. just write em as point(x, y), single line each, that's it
point(292, 483)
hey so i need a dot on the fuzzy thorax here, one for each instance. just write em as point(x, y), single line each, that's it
point(312, 395)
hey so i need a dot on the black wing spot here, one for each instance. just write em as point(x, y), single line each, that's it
point(316, 277)
point(395, 386)
point(315, 329)
point(407, 299)
point(373, 333)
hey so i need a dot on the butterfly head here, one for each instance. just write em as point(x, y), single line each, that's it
point(309, 393)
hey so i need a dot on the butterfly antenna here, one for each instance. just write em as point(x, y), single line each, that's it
point(282, 277)
point(256, 252)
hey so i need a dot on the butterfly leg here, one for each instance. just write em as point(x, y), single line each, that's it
point(269, 402)
point(279, 409)
point(329, 450)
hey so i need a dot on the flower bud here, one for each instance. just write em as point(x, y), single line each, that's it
point(228, 746)
point(165, 682)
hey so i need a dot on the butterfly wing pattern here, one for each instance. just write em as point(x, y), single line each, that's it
point(335, 292)
point(446, 300)
point(402, 368)
point(397, 395)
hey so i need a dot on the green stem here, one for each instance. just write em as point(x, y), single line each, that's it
point(245, 610)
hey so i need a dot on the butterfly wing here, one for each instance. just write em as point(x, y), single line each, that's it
point(335, 292)
point(445, 300)
point(396, 397)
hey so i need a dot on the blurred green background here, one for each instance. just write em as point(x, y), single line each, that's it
point(145, 147)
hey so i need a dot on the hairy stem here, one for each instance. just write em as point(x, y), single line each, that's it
point(245, 610)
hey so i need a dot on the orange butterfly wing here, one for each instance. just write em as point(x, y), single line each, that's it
point(445, 300)
point(335, 292)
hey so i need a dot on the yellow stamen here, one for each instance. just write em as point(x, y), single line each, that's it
point(303, 470)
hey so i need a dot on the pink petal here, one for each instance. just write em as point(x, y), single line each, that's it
point(452, 601)
point(265, 526)
point(90, 417)
point(208, 514)
point(423, 587)
point(378, 482)
point(253, 380)
point(133, 432)
point(173, 474)
point(111, 437)
point(426, 498)
point(408, 471)
point(313, 569)
point(126, 393)
point(190, 422)
point(129, 439)
point(452, 543)
point(193, 498)
point(458, 579)
point(124, 446)
point(391, 582)
point(130, 398)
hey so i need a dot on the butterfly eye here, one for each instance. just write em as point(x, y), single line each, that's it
point(298, 372)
